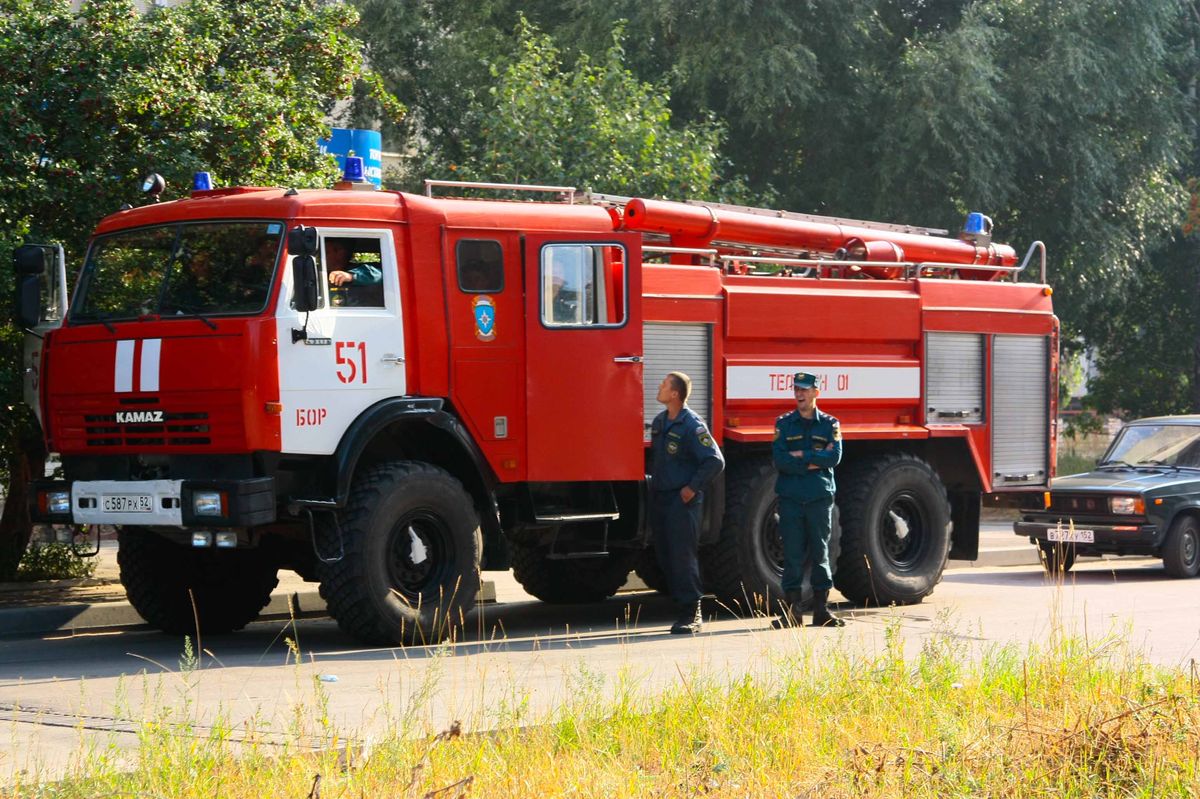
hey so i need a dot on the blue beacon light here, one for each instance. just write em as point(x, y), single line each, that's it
point(977, 224)
point(353, 171)
point(202, 181)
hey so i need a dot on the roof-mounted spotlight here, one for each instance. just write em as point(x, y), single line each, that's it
point(153, 185)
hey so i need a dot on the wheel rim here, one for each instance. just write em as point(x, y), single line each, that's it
point(419, 555)
point(1189, 546)
point(905, 530)
point(770, 542)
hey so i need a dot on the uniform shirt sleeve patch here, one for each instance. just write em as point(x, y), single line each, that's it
point(837, 433)
point(706, 440)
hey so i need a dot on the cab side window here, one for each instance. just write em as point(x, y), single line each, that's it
point(583, 285)
point(354, 271)
point(480, 266)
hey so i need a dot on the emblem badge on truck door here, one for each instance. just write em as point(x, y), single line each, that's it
point(485, 318)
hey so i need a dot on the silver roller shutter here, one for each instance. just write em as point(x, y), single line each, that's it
point(1021, 415)
point(954, 378)
point(677, 348)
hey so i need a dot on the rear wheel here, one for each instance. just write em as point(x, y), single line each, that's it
point(895, 530)
point(173, 587)
point(412, 549)
point(568, 581)
point(1181, 550)
point(1057, 556)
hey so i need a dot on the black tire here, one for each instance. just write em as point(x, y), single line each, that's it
point(1181, 549)
point(744, 568)
point(172, 586)
point(1057, 556)
point(647, 568)
point(384, 590)
point(895, 520)
point(569, 581)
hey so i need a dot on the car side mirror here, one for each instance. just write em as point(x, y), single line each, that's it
point(302, 241)
point(304, 282)
point(29, 262)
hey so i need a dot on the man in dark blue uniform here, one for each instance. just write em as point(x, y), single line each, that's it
point(808, 444)
point(685, 460)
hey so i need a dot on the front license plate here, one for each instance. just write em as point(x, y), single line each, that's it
point(129, 503)
point(1076, 536)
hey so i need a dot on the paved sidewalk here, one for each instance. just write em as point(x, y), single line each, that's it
point(74, 606)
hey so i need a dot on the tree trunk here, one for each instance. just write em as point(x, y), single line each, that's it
point(26, 460)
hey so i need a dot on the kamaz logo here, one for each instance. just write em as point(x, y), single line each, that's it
point(139, 417)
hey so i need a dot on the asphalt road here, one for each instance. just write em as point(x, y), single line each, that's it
point(61, 693)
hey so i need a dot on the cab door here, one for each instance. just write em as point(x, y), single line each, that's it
point(583, 357)
point(352, 351)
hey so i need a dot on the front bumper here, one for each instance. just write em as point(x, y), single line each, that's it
point(1120, 539)
point(156, 503)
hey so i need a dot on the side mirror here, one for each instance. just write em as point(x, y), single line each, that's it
point(29, 262)
point(29, 259)
point(304, 282)
point(302, 241)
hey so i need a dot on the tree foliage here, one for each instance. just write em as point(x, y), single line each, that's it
point(595, 126)
point(94, 99)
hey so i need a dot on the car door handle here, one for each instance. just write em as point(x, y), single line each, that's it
point(390, 358)
point(627, 359)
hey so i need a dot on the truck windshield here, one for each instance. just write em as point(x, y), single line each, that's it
point(1156, 445)
point(191, 269)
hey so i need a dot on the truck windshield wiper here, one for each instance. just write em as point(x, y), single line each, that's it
point(189, 311)
point(1153, 462)
point(1116, 463)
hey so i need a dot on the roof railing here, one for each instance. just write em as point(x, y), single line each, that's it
point(567, 191)
point(813, 266)
point(1041, 248)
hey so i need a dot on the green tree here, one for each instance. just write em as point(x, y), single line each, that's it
point(594, 126)
point(91, 100)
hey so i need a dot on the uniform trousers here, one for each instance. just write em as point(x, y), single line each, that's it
point(676, 528)
point(805, 528)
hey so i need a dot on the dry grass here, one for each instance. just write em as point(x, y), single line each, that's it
point(1069, 718)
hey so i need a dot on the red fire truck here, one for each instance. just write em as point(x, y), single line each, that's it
point(477, 393)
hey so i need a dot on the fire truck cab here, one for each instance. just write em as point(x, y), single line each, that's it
point(389, 393)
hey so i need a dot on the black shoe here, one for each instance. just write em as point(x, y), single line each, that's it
point(791, 613)
point(688, 620)
point(821, 615)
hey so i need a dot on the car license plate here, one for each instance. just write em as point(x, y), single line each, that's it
point(129, 503)
point(1076, 535)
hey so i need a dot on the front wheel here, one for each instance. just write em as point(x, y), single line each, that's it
point(1181, 550)
point(895, 530)
point(412, 550)
point(175, 588)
